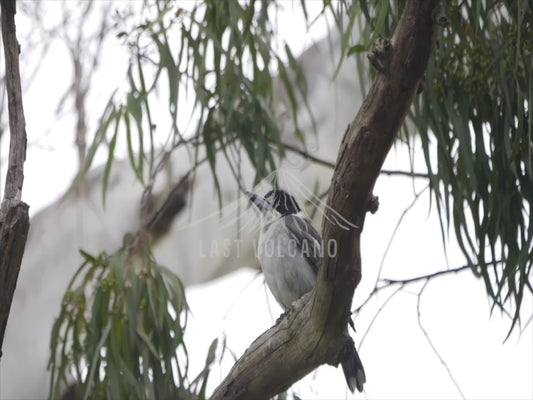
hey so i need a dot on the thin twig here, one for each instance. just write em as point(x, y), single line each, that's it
point(398, 223)
point(426, 335)
point(238, 297)
point(329, 164)
point(409, 174)
point(386, 283)
point(309, 156)
point(374, 318)
point(390, 282)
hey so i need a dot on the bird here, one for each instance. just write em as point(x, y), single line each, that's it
point(289, 251)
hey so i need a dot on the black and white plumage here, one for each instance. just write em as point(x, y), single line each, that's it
point(289, 252)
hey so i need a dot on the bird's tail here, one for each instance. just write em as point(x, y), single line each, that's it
point(353, 368)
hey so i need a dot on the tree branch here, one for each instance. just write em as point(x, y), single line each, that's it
point(402, 282)
point(14, 220)
point(390, 282)
point(314, 332)
point(329, 164)
point(17, 124)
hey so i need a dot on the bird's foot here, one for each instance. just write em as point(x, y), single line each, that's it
point(283, 315)
point(372, 204)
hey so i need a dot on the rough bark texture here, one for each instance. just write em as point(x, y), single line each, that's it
point(314, 332)
point(14, 220)
point(366, 143)
point(13, 234)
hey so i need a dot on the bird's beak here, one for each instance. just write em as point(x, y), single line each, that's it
point(259, 202)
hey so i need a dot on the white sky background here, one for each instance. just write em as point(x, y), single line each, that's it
point(398, 360)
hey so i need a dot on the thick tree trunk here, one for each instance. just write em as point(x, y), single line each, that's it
point(314, 331)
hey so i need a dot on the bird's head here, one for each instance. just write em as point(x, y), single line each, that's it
point(282, 202)
point(277, 199)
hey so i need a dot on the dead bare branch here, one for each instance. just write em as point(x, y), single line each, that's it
point(14, 220)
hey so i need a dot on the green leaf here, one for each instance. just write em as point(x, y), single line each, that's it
point(95, 357)
point(110, 158)
point(211, 352)
point(357, 49)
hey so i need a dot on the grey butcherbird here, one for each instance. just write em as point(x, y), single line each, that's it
point(289, 252)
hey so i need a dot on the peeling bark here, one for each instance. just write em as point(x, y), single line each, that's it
point(314, 332)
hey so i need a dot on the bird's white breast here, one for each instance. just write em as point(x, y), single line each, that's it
point(287, 272)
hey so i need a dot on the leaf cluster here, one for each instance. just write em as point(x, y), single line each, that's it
point(120, 332)
point(216, 61)
point(477, 109)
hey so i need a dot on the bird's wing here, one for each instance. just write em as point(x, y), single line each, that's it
point(307, 239)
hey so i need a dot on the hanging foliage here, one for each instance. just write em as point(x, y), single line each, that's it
point(474, 122)
point(120, 331)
